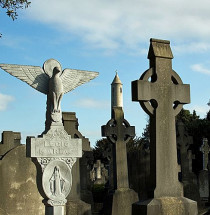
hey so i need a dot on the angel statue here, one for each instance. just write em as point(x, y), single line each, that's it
point(52, 81)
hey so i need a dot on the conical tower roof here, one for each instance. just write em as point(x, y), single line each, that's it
point(116, 79)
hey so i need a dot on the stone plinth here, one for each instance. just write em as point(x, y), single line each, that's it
point(166, 206)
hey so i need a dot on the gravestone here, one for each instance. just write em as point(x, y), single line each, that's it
point(9, 141)
point(203, 178)
point(54, 150)
point(119, 132)
point(18, 188)
point(161, 94)
point(75, 205)
point(189, 179)
point(139, 174)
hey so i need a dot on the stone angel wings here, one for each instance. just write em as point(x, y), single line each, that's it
point(50, 79)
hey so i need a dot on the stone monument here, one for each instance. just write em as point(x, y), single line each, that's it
point(189, 179)
point(55, 150)
point(161, 94)
point(75, 205)
point(203, 178)
point(119, 132)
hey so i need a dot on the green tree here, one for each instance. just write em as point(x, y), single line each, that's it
point(198, 129)
point(12, 6)
point(101, 146)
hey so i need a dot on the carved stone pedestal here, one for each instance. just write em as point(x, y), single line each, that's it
point(56, 152)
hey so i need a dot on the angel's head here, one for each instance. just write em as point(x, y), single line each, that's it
point(56, 70)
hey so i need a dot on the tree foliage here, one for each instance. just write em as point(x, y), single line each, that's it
point(197, 128)
point(12, 6)
point(102, 146)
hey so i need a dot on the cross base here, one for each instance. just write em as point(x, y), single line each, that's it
point(121, 202)
point(165, 206)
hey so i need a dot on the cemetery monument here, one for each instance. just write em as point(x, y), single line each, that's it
point(119, 132)
point(54, 150)
point(161, 94)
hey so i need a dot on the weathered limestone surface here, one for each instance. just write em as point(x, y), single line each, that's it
point(162, 94)
point(18, 188)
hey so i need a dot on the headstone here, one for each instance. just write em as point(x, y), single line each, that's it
point(75, 205)
point(162, 94)
point(9, 141)
point(203, 178)
point(18, 188)
point(54, 150)
point(139, 174)
point(119, 132)
point(189, 179)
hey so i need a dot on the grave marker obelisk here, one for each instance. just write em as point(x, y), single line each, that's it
point(161, 94)
point(54, 150)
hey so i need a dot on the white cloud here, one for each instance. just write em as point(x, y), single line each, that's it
point(4, 101)
point(200, 68)
point(91, 103)
point(200, 110)
point(126, 24)
point(193, 47)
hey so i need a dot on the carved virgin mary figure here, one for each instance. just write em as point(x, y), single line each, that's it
point(57, 183)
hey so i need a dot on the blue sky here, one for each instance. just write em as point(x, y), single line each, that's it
point(101, 36)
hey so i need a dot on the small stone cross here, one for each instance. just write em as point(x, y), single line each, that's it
point(205, 149)
point(161, 94)
point(119, 132)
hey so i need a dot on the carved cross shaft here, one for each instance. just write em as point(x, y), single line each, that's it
point(205, 149)
point(119, 132)
point(162, 99)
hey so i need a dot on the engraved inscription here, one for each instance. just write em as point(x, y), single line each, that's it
point(56, 143)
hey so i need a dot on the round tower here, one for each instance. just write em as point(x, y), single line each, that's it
point(116, 93)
